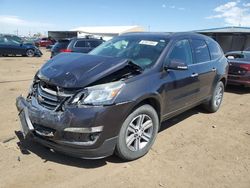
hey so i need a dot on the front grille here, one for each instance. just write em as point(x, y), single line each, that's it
point(49, 97)
point(42, 131)
point(80, 137)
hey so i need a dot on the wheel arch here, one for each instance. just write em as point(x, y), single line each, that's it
point(224, 81)
point(152, 101)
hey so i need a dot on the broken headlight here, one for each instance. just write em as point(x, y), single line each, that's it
point(103, 94)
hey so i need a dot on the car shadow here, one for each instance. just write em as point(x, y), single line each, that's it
point(237, 89)
point(27, 146)
point(175, 120)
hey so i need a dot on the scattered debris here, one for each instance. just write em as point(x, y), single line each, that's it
point(161, 184)
point(126, 166)
point(12, 89)
point(248, 133)
point(8, 139)
point(18, 158)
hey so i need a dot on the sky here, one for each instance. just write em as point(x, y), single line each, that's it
point(32, 16)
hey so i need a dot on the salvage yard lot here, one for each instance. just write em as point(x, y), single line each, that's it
point(194, 149)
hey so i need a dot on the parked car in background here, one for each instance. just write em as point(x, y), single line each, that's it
point(13, 45)
point(44, 42)
point(83, 45)
point(239, 68)
point(29, 40)
point(49, 47)
point(115, 97)
point(60, 46)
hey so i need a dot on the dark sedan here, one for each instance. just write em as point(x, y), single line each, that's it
point(239, 68)
point(13, 45)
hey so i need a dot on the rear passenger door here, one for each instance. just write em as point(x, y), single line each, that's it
point(206, 68)
point(9, 46)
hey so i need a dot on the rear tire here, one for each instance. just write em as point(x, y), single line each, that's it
point(137, 133)
point(214, 103)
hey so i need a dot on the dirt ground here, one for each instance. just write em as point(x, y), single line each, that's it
point(194, 149)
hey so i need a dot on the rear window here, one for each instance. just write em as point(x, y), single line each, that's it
point(61, 44)
point(215, 49)
point(200, 50)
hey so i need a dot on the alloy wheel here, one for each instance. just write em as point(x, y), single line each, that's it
point(139, 132)
point(218, 96)
point(30, 53)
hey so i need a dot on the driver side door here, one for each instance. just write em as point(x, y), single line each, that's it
point(14, 47)
point(181, 85)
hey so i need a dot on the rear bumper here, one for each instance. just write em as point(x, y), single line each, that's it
point(102, 146)
point(239, 79)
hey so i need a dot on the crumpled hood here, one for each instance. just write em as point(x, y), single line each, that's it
point(77, 70)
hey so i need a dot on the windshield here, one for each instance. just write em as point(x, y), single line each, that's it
point(142, 50)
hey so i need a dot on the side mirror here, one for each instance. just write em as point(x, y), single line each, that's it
point(176, 65)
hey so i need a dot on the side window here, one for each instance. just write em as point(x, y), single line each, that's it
point(1, 40)
point(80, 44)
point(181, 53)
point(88, 44)
point(94, 44)
point(200, 50)
point(215, 50)
point(12, 41)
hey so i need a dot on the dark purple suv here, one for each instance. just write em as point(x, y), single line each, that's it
point(115, 97)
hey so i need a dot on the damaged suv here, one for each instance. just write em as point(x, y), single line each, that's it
point(114, 98)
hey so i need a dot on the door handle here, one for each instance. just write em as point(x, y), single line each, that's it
point(194, 75)
point(214, 69)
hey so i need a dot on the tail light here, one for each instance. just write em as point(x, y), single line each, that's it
point(245, 66)
point(65, 50)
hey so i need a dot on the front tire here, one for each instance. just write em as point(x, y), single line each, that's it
point(214, 103)
point(30, 53)
point(137, 133)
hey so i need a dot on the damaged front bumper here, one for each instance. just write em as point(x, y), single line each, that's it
point(38, 52)
point(86, 132)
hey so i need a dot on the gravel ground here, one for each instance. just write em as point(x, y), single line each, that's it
point(194, 149)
